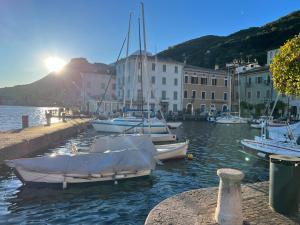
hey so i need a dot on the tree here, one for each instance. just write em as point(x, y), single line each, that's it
point(285, 68)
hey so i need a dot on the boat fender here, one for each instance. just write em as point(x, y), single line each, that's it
point(115, 182)
point(64, 184)
point(190, 156)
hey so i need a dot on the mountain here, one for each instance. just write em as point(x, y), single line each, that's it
point(252, 43)
point(55, 89)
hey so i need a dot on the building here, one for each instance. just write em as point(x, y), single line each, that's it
point(97, 85)
point(270, 55)
point(159, 78)
point(205, 90)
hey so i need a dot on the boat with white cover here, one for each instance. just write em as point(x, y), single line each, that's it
point(121, 157)
point(130, 125)
point(163, 152)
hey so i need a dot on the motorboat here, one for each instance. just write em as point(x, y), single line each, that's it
point(229, 119)
point(130, 125)
point(171, 151)
point(162, 152)
point(118, 158)
point(265, 147)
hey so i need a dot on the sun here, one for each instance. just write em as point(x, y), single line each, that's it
point(54, 63)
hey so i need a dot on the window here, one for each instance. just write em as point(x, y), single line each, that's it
point(203, 94)
point(214, 81)
point(139, 78)
point(175, 95)
point(258, 80)
point(164, 68)
point(153, 80)
point(258, 94)
point(225, 95)
point(202, 108)
point(194, 80)
point(268, 95)
point(249, 80)
point(175, 81)
point(225, 82)
point(186, 79)
point(164, 81)
point(140, 65)
point(139, 94)
point(236, 95)
point(193, 94)
point(185, 94)
point(213, 95)
point(174, 107)
point(152, 94)
point(212, 106)
point(153, 66)
point(203, 80)
point(163, 95)
point(249, 94)
point(176, 69)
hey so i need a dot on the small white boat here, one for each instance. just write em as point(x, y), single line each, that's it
point(174, 125)
point(265, 147)
point(229, 119)
point(256, 125)
point(172, 151)
point(130, 125)
point(119, 158)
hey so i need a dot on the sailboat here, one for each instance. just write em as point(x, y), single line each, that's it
point(227, 118)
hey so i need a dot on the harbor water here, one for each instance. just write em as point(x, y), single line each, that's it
point(11, 116)
point(129, 202)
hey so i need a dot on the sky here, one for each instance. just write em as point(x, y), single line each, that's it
point(33, 30)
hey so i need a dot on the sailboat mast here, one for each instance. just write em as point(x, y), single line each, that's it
point(126, 64)
point(141, 69)
point(239, 94)
point(145, 60)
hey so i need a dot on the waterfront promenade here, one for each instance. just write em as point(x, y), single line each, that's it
point(27, 141)
point(198, 207)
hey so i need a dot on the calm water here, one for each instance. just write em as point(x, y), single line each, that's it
point(11, 116)
point(129, 202)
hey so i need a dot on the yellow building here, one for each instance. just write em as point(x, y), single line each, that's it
point(205, 90)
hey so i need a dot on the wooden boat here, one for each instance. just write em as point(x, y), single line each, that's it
point(171, 151)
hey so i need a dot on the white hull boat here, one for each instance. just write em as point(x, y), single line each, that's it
point(172, 151)
point(120, 158)
point(129, 125)
point(231, 120)
point(265, 147)
point(256, 125)
point(174, 125)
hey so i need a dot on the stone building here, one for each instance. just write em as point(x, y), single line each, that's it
point(161, 80)
point(205, 90)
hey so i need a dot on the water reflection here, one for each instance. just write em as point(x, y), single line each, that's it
point(213, 147)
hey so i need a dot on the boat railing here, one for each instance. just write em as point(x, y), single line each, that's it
point(133, 126)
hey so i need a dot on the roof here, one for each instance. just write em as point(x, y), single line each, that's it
point(261, 69)
point(202, 69)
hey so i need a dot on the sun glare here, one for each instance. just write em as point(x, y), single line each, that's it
point(54, 64)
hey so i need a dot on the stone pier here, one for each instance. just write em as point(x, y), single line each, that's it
point(198, 207)
point(27, 141)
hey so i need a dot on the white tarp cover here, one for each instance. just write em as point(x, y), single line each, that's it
point(134, 153)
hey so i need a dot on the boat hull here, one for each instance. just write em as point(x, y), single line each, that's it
point(36, 177)
point(131, 127)
point(266, 148)
point(172, 151)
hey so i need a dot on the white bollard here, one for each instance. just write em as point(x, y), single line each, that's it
point(229, 205)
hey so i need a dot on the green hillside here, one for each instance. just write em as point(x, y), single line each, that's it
point(253, 42)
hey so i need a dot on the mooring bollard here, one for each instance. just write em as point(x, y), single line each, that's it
point(25, 121)
point(229, 205)
point(48, 118)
